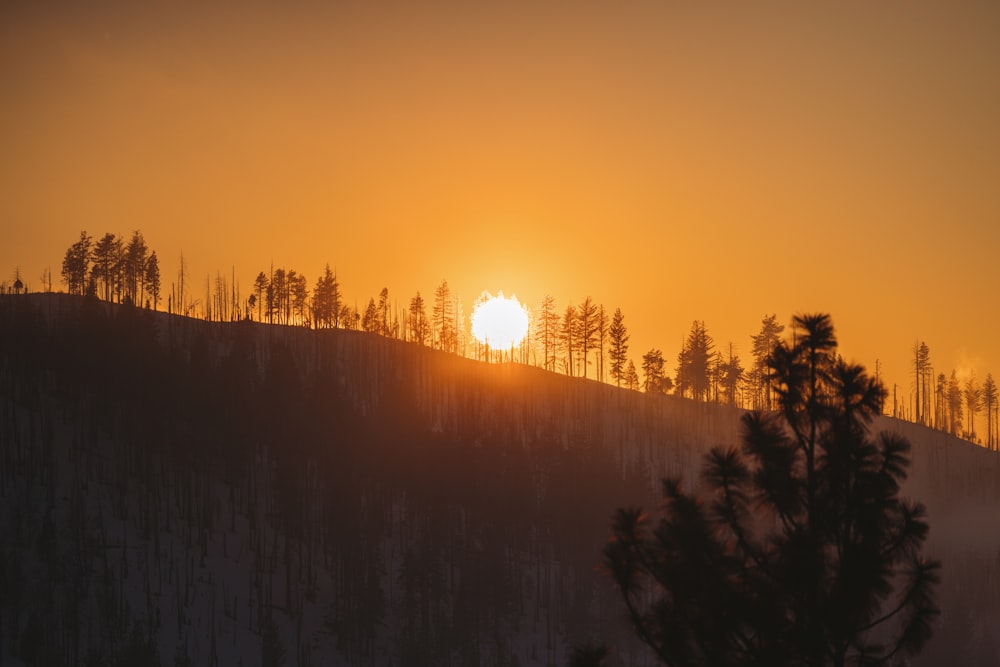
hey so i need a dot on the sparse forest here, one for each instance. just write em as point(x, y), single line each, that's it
point(582, 341)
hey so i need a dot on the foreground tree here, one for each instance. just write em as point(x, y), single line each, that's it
point(802, 552)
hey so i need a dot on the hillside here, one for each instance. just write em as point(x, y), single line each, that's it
point(229, 494)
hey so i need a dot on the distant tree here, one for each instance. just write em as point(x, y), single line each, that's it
point(940, 404)
point(586, 330)
point(954, 405)
point(730, 377)
point(182, 275)
point(152, 279)
point(384, 325)
point(694, 363)
point(973, 403)
point(548, 331)
point(371, 321)
point(618, 352)
point(989, 399)
point(134, 268)
point(18, 285)
point(921, 380)
point(443, 319)
point(277, 293)
point(326, 300)
point(763, 342)
point(631, 376)
point(75, 264)
point(299, 288)
point(801, 551)
point(350, 318)
point(652, 369)
point(261, 286)
point(107, 265)
point(567, 337)
point(602, 339)
point(417, 325)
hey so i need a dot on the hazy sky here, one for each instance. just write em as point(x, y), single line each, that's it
point(680, 160)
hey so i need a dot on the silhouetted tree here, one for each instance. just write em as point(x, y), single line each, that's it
point(652, 369)
point(973, 403)
point(618, 354)
point(921, 380)
point(989, 396)
point(443, 319)
point(326, 300)
point(75, 264)
point(602, 339)
point(417, 325)
point(940, 404)
point(631, 376)
point(694, 363)
point(384, 326)
point(18, 285)
point(547, 323)
point(298, 287)
point(763, 342)
point(954, 405)
point(371, 321)
point(586, 328)
point(107, 265)
point(730, 377)
point(152, 279)
point(567, 337)
point(802, 553)
point(261, 286)
point(276, 294)
point(134, 268)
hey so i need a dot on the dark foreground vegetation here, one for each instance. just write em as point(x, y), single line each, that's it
point(175, 491)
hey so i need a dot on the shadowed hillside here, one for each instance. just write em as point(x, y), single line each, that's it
point(215, 493)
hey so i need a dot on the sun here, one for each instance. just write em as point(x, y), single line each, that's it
point(498, 322)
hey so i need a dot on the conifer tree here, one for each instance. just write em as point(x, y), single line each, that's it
point(618, 353)
point(801, 551)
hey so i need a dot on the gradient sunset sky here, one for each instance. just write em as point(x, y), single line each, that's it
point(711, 161)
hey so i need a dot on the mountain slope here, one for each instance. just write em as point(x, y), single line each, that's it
point(235, 493)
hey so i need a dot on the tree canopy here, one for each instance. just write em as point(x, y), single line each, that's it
point(800, 551)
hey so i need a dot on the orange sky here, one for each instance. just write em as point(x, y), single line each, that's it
point(714, 162)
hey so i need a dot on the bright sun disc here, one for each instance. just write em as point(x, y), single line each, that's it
point(499, 322)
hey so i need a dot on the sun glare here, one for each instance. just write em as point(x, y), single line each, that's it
point(499, 322)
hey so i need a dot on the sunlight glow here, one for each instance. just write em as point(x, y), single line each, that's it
point(499, 322)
